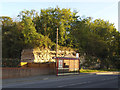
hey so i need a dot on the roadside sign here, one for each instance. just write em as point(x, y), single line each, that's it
point(60, 64)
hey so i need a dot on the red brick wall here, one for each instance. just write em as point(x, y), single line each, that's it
point(28, 71)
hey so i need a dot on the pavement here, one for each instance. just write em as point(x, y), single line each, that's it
point(106, 73)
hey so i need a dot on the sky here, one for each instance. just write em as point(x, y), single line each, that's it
point(97, 9)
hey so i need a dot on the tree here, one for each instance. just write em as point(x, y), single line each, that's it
point(11, 37)
point(33, 39)
point(97, 38)
point(108, 32)
point(7, 23)
point(50, 19)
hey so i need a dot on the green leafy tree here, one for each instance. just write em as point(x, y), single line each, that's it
point(52, 18)
point(109, 34)
point(31, 37)
point(11, 38)
point(98, 38)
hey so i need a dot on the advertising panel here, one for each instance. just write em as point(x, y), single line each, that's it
point(60, 64)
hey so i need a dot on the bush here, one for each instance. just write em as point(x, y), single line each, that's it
point(10, 62)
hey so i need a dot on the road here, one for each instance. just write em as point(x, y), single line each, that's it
point(78, 81)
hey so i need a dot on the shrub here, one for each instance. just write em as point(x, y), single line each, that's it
point(10, 62)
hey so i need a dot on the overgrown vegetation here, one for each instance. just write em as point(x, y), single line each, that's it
point(97, 38)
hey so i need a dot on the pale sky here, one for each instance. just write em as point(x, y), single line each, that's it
point(103, 9)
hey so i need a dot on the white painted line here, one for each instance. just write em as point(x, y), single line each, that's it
point(45, 79)
point(68, 68)
point(75, 84)
point(67, 73)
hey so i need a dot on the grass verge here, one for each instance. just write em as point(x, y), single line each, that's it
point(102, 70)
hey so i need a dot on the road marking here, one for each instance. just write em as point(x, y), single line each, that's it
point(67, 73)
point(45, 79)
point(74, 84)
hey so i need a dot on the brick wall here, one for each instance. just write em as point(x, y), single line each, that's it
point(42, 69)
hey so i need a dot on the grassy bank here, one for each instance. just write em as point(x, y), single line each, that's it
point(102, 70)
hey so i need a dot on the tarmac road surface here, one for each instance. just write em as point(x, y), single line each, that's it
point(78, 81)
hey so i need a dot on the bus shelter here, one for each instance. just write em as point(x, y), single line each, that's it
point(67, 66)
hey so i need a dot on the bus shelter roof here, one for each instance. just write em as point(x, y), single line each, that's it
point(65, 58)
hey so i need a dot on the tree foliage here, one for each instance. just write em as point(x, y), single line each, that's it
point(97, 38)
point(52, 18)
